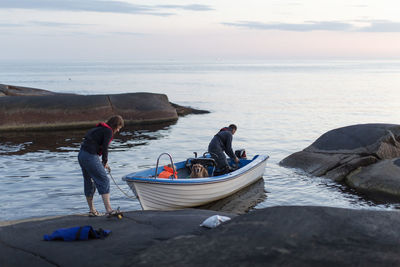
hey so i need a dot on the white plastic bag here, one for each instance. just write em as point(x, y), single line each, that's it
point(214, 221)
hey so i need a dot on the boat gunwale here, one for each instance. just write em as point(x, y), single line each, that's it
point(198, 181)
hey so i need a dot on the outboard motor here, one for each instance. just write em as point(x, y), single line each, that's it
point(241, 154)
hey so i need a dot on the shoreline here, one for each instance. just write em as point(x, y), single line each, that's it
point(279, 236)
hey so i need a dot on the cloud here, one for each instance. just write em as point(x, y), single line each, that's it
point(55, 24)
point(98, 6)
point(42, 24)
point(193, 7)
point(374, 26)
point(381, 26)
point(301, 27)
point(75, 5)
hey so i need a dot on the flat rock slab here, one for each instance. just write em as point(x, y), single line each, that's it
point(277, 236)
point(63, 111)
point(24, 108)
point(288, 236)
point(22, 244)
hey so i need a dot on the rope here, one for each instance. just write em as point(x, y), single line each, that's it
point(131, 197)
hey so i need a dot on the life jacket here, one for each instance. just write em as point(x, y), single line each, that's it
point(77, 233)
point(168, 172)
point(105, 125)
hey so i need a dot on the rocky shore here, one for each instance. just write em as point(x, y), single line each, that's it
point(277, 236)
point(23, 108)
point(365, 157)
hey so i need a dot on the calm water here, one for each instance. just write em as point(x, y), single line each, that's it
point(279, 107)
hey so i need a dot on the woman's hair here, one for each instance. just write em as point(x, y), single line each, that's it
point(233, 127)
point(115, 121)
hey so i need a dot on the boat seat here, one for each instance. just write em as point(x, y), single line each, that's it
point(203, 161)
point(208, 163)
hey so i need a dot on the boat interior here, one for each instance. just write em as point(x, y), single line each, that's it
point(184, 168)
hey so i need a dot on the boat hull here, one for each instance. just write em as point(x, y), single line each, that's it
point(166, 194)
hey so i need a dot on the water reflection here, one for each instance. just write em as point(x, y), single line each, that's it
point(20, 143)
point(242, 201)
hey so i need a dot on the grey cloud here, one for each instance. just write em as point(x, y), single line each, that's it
point(382, 26)
point(55, 24)
point(301, 27)
point(97, 6)
point(75, 5)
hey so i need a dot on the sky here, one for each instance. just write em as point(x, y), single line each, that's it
point(199, 30)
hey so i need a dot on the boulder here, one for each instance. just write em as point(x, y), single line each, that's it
point(23, 108)
point(339, 152)
point(380, 180)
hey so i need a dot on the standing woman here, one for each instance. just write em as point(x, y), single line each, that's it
point(94, 145)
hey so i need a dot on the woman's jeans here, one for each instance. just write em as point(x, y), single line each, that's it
point(94, 174)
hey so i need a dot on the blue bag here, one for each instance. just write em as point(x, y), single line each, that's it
point(77, 233)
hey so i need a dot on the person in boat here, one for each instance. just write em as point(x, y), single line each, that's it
point(94, 145)
point(222, 142)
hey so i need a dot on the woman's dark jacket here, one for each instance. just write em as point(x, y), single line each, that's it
point(96, 141)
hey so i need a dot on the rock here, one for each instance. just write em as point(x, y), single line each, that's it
point(183, 111)
point(21, 242)
point(79, 111)
point(10, 90)
point(288, 236)
point(380, 181)
point(276, 236)
point(317, 164)
point(341, 151)
point(25, 108)
point(339, 173)
point(345, 149)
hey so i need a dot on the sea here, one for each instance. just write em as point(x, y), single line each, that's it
point(280, 107)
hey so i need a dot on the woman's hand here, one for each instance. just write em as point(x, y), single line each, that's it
point(107, 167)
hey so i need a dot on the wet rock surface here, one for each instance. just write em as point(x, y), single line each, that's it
point(23, 108)
point(277, 236)
point(357, 148)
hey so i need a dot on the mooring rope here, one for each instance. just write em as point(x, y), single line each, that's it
point(131, 197)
